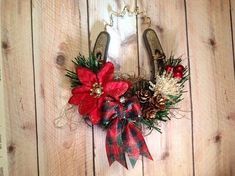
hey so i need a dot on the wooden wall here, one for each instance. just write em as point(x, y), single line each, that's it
point(39, 38)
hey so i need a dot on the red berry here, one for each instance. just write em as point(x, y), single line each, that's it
point(169, 68)
point(179, 68)
point(178, 75)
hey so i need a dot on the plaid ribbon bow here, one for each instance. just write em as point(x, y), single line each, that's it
point(123, 136)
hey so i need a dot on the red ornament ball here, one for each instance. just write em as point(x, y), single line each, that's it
point(178, 75)
point(169, 68)
point(179, 68)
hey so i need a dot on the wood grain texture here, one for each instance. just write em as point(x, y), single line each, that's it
point(232, 21)
point(16, 51)
point(171, 150)
point(123, 53)
point(39, 38)
point(213, 86)
point(3, 138)
point(60, 33)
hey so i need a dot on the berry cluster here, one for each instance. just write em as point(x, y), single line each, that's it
point(176, 70)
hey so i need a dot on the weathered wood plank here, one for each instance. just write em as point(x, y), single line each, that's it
point(3, 139)
point(171, 150)
point(213, 86)
point(60, 33)
point(19, 107)
point(123, 53)
point(232, 18)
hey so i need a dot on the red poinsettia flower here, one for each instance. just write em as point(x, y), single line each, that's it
point(95, 87)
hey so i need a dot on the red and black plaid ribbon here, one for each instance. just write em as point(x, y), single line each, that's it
point(123, 135)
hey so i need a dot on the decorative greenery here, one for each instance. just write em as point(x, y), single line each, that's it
point(138, 83)
point(80, 61)
point(164, 115)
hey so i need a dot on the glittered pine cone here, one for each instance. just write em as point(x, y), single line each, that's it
point(149, 113)
point(144, 95)
point(158, 101)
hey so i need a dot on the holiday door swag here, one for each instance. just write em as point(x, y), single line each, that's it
point(125, 104)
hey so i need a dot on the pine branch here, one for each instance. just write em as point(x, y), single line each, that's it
point(91, 63)
point(150, 125)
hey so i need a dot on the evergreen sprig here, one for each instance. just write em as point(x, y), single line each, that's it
point(164, 115)
point(91, 63)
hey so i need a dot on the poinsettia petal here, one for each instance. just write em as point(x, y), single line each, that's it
point(86, 76)
point(116, 88)
point(106, 73)
point(129, 84)
point(80, 90)
point(77, 98)
point(87, 105)
point(95, 116)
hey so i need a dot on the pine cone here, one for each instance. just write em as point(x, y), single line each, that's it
point(149, 113)
point(144, 95)
point(158, 101)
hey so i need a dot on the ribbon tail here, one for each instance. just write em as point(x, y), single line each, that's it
point(134, 143)
point(114, 143)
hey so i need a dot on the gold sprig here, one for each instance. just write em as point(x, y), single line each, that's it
point(68, 117)
point(133, 78)
point(127, 11)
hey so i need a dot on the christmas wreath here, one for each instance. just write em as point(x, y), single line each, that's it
point(126, 105)
point(123, 104)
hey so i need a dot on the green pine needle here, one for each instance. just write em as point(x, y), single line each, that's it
point(172, 101)
point(80, 61)
point(93, 64)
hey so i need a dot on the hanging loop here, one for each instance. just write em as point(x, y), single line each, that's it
point(127, 11)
